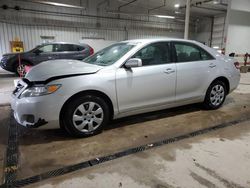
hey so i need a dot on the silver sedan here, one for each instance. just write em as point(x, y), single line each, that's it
point(126, 78)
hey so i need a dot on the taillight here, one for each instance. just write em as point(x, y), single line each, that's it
point(91, 50)
point(237, 65)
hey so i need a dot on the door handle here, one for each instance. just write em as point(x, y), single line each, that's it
point(212, 65)
point(49, 57)
point(169, 71)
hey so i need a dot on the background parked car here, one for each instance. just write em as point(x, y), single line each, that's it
point(44, 52)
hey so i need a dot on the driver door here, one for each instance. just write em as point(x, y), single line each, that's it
point(46, 53)
point(150, 86)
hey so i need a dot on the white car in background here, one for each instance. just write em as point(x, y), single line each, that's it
point(126, 78)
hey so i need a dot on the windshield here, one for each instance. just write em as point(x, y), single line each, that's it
point(109, 55)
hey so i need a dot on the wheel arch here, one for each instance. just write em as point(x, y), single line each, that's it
point(225, 80)
point(22, 60)
point(90, 92)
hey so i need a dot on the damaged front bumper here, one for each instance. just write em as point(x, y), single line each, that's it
point(28, 124)
point(33, 112)
point(26, 114)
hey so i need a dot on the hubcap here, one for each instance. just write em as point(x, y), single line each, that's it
point(88, 117)
point(21, 69)
point(217, 95)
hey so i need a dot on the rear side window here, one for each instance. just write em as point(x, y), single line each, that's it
point(205, 55)
point(186, 52)
point(65, 48)
point(154, 54)
point(79, 48)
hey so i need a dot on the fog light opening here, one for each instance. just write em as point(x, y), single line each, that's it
point(29, 118)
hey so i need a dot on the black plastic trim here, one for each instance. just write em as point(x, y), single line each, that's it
point(39, 123)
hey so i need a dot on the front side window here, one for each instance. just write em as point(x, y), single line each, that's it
point(46, 48)
point(186, 52)
point(109, 55)
point(154, 54)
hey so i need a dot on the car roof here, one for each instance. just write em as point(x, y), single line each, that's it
point(149, 40)
point(81, 44)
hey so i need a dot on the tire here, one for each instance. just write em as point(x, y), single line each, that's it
point(19, 69)
point(85, 116)
point(215, 96)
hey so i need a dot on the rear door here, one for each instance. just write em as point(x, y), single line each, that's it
point(195, 70)
point(151, 85)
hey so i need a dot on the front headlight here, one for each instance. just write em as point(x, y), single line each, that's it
point(40, 90)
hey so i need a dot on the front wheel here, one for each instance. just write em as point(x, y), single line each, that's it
point(215, 95)
point(85, 116)
point(20, 68)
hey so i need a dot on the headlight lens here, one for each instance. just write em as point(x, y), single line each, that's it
point(40, 90)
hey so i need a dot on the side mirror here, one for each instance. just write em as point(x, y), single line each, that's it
point(133, 62)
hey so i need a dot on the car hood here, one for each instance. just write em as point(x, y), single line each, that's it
point(14, 53)
point(55, 68)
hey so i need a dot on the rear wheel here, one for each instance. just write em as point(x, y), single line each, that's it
point(85, 116)
point(215, 95)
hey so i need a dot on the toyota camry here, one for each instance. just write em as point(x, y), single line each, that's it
point(126, 78)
